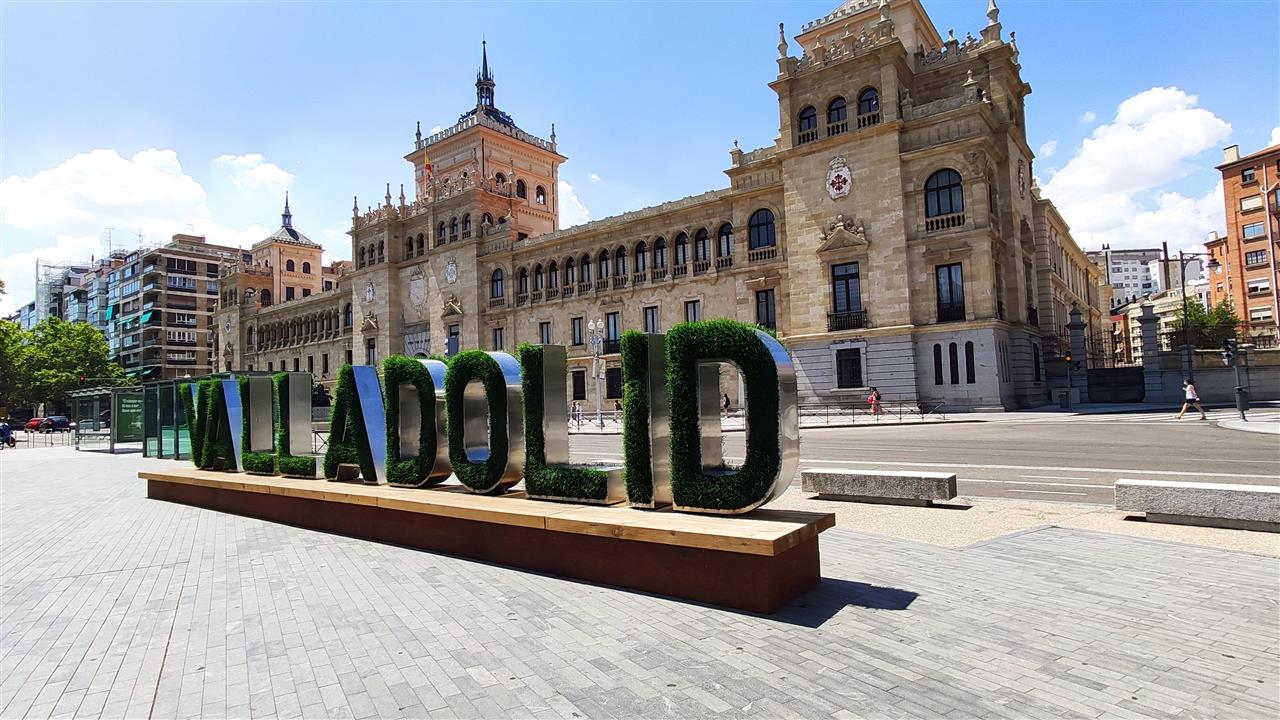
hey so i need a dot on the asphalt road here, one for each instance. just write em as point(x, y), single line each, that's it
point(1070, 459)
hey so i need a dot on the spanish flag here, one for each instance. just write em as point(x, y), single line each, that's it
point(426, 164)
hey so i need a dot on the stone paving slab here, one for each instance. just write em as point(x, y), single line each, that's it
point(113, 605)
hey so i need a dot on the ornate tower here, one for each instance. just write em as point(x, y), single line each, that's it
point(484, 79)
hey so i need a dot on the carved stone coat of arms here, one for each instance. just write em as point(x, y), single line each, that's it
point(839, 178)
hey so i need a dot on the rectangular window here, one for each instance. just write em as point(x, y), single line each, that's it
point(846, 291)
point(306, 292)
point(612, 326)
point(692, 310)
point(1255, 257)
point(579, 384)
point(575, 329)
point(651, 319)
point(613, 383)
point(1035, 357)
point(544, 333)
point(311, 364)
point(849, 368)
point(270, 366)
point(1253, 230)
point(1259, 285)
point(350, 357)
point(296, 363)
point(950, 282)
point(1262, 313)
point(324, 364)
point(288, 293)
point(766, 315)
point(371, 351)
point(453, 343)
point(1253, 202)
point(499, 339)
point(1248, 175)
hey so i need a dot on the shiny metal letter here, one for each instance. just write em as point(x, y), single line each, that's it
point(709, 415)
point(369, 395)
point(555, 428)
point(476, 424)
point(411, 418)
point(258, 414)
point(298, 402)
point(235, 419)
point(788, 416)
point(659, 419)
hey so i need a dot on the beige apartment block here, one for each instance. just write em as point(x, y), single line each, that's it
point(889, 234)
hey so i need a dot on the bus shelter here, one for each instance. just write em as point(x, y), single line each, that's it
point(111, 415)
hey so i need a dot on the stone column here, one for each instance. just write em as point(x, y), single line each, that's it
point(1075, 332)
point(1150, 325)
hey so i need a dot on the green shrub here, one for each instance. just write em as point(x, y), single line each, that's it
point(397, 369)
point(195, 422)
point(303, 466)
point(636, 452)
point(348, 443)
point(691, 487)
point(550, 481)
point(463, 368)
point(218, 449)
point(258, 463)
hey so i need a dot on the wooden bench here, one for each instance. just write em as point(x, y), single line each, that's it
point(879, 486)
point(1242, 507)
point(756, 562)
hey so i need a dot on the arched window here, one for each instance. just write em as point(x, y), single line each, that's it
point(570, 277)
point(943, 193)
point(500, 179)
point(540, 195)
point(408, 246)
point(537, 277)
point(382, 251)
point(660, 253)
point(522, 282)
point(497, 284)
point(373, 254)
point(453, 229)
point(836, 111)
point(620, 261)
point(440, 234)
point(604, 264)
point(682, 250)
point(361, 257)
point(954, 356)
point(724, 240)
point(264, 297)
point(419, 244)
point(486, 219)
point(584, 269)
point(760, 230)
point(807, 125)
point(466, 225)
point(642, 257)
point(306, 268)
point(868, 101)
point(249, 336)
point(701, 245)
point(288, 265)
point(521, 192)
point(969, 376)
point(346, 315)
point(553, 275)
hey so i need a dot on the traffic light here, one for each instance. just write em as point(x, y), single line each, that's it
point(1067, 357)
point(82, 380)
point(1229, 353)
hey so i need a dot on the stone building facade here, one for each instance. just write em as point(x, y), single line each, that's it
point(887, 235)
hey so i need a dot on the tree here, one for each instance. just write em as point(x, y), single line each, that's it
point(1207, 328)
point(54, 354)
point(13, 365)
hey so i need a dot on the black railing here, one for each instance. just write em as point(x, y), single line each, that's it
point(1033, 316)
point(854, 320)
point(950, 313)
point(612, 346)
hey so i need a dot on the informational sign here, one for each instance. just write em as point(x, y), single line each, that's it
point(126, 417)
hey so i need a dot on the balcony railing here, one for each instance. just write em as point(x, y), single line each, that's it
point(611, 347)
point(553, 293)
point(944, 222)
point(837, 128)
point(724, 261)
point(658, 274)
point(602, 284)
point(567, 291)
point(619, 282)
point(584, 287)
point(638, 278)
point(536, 297)
point(679, 271)
point(700, 267)
point(854, 320)
point(762, 254)
point(869, 119)
point(497, 302)
point(950, 313)
point(807, 136)
point(521, 299)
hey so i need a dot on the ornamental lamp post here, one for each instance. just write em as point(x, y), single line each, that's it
point(595, 335)
point(1183, 259)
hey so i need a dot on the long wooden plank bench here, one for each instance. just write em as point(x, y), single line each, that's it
point(1244, 507)
point(879, 486)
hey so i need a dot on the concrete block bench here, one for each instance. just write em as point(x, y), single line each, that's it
point(879, 486)
point(1243, 507)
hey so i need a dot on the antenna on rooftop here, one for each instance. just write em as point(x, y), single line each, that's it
point(106, 239)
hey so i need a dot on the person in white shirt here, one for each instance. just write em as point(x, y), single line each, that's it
point(1193, 398)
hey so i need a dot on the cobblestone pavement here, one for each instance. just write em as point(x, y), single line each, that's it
point(118, 606)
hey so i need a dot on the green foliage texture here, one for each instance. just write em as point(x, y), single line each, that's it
point(44, 363)
point(397, 369)
point(636, 451)
point(550, 481)
point(735, 342)
point(463, 368)
point(216, 450)
point(195, 421)
point(1206, 328)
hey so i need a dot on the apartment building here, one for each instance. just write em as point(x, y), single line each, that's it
point(1247, 274)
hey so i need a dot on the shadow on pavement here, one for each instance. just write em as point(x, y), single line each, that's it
point(819, 605)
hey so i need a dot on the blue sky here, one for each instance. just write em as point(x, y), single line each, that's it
point(240, 100)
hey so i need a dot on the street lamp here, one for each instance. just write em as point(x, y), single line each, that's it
point(1183, 259)
point(595, 335)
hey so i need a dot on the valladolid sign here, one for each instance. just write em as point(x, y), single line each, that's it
point(493, 419)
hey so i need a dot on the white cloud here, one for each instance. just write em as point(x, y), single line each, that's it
point(1088, 116)
point(1275, 137)
point(593, 177)
point(253, 172)
point(70, 205)
point(572, 211)
point(1047, 149)
point(1114, 189)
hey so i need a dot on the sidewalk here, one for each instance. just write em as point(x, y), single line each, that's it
point(736, 422)
point(1116, 408)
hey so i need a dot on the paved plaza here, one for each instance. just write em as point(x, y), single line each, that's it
point(119, 606)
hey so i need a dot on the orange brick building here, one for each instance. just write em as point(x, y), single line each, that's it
point(1247, 272)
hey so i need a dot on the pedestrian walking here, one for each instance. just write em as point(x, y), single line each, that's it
point(874, 401)
point(1193, 398)
point(725, 403)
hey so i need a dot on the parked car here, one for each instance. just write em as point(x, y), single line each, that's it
point(56, 423)
point(33, 424)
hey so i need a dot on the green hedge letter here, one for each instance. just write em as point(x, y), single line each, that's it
point(699, 480)
point(548, 474)
point(417, 454)
point(486, 430)
point(221, 424)
point(646, 450)
point(357, 428)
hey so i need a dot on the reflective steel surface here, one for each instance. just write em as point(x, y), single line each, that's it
point(298, 400)
point(441, 468)
point(709, 414)
point(235, 419)
point(788, 415)
point(476, 422)
point(409, 424)
point(257, 408)
point(369, 395)
point(555, 405)
point(659, 419)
